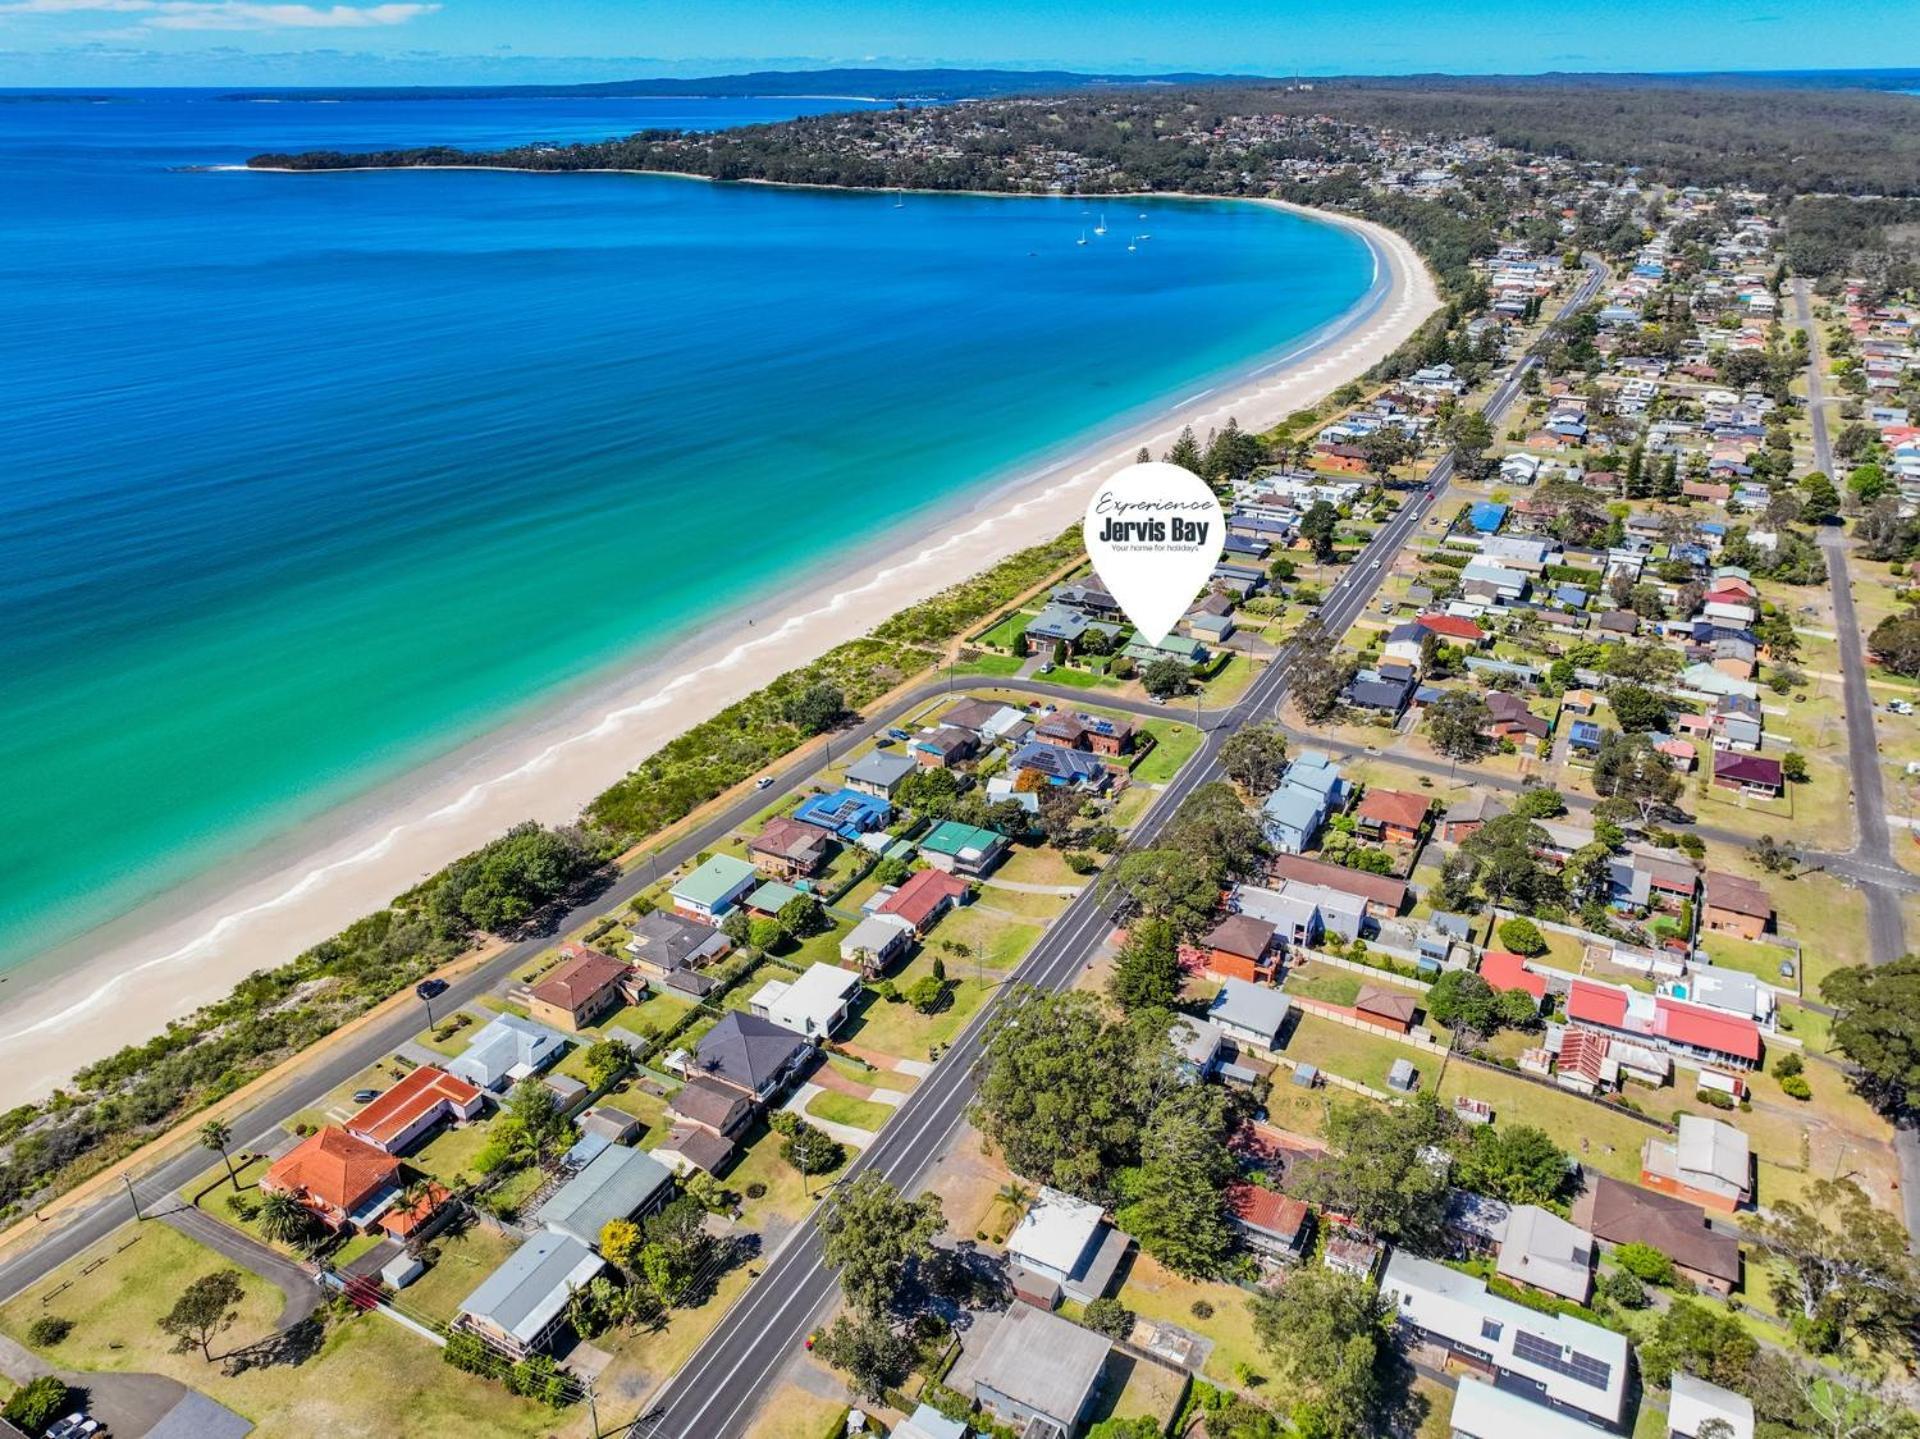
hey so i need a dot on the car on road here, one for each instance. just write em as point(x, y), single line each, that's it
point(430, 988)
point(764, 782)
point(1374, 566)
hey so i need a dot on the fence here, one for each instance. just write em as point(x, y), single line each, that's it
point(1339, 1014)
point(1355, 966)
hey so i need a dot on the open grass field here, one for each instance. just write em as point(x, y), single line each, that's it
point(464, 1260)
point(837, 1108)
point(1155, 1292)
point(1176, 744)
point(370, 1379)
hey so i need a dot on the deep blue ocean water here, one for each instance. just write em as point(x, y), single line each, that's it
point(306, 479)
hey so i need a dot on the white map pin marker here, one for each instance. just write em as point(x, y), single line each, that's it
point(1155, 532)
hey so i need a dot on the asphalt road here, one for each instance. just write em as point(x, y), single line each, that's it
point(1880, 879)
point(717, 1390)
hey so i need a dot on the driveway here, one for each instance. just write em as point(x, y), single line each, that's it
point(127, 1405)
point(296, 1284)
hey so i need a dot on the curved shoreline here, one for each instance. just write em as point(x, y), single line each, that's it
point(121, 982)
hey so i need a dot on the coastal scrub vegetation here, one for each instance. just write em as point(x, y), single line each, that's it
point(117, 1104)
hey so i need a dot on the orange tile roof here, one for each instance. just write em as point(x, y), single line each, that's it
point(585, 974)
point(1396, 807)
point(391, 1115)
point(333, 1170)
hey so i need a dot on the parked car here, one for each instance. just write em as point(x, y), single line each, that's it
point(74, 1426)
point(365, 1096)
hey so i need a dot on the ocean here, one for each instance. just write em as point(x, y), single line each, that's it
point(306, 480)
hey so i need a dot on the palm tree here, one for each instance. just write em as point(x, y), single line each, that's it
point(217, 1136)
point(1017, 1197)
point(284, 1219)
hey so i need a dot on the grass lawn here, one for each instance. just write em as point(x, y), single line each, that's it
point(1230, 682)
point(837, 1108)
point(1079, 679)
point(1158, 1293)
point(1613, 1137)
point(1135, 1389)
point(464, 1260)
point(897, 1028)
point(370, 1377)
point(873, 1078)
point(790, 1412)
point(1175, 745)
point(652, 1016)
point(1036, 864)
point(1755, 957)
point(649, 1108)
point(459, 1029)
point(1353, 1053)
point(786, 1191)
point(996, 666)
point(643, 1358)
point(1812, 1028)
point(1003, 634)
point(449, 1155)
point(339, 1104)
point(1014, 901)
point(1130, 806)
point(993, 944)
point(1827, 918)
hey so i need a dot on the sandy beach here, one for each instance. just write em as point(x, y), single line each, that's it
point(124, 982)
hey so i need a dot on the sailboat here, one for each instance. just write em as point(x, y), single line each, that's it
point(1101, 228)
point(1132, 245)
point(899, 201)
point(1083, 238)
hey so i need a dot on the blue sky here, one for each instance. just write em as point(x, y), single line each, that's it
point(220, 42)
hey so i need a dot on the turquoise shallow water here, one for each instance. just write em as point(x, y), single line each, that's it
point(305, 480)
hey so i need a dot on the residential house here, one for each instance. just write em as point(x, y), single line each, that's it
point(1273, 1225)
point(1467, 815)
point(667, 947)
point(1509, 718)
point(957, 848)
point(344, 1182)
point(587, 986)
point(1381, 895)
point(1581, 1062)
point(1251, 1012)
point(1736, 905)
point(1504, 970)
point(507, 1050)
point(847, 812)
point(1392, 816)
point(618, 1183)
point(1084, 731)
point(927, 1422)
point(1055, 625)
point(1060, 766)
point(750, 1053)
point(1036, 1372)
point(1188, 652)
point(1242, 947)
point(1751, 774)
point(1408, 643)
point(1311, 789)
point(1557, 1361)
point(1371, 690)
point(1347, 1251)
point(715, 887)
point(943, 748)
point(1544, 1252)
point(813, 1005)
point(1667, 1022)
point(1693, 1404)
point(989, 719)
point(1197, 1047)
point(1486, 1411)
point(878, 773)
point(1387, 1008)
point(922, 898)
point(521, 1305)
point(1706, 1162)
point(877, 942)
point(1453, 629)
point(787, 849)
point(1064, 1246)
point(1619, 1213)
point(1730, 991)
point(419, 1104)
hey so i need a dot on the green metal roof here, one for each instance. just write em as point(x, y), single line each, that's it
point(708, 885)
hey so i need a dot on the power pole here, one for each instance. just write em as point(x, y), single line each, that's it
point(134, 1198)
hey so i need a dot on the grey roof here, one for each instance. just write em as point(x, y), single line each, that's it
point(1042, 1361)
point(746, 1050)
point(881, 767)
point(524, 1295)
point(1250, 1006)
point(617, 1184)
point(665, 939)
point(195, 1417)
point(1706, 1146)
point(1543, 1250)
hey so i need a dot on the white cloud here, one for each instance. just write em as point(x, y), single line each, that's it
point(228, 14)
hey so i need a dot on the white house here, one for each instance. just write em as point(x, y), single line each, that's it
point(815, 1004)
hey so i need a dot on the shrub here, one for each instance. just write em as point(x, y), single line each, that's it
point(1080, 863)
point(1202, 1309)
point(1523, 936)
point(1110, 1317)
point(1621, 1288)
point(38, 1405)
point(48, 1330)
point(1795, 1086)
point(1643, 1261)
point(1788, 1065)
point(756, 1190)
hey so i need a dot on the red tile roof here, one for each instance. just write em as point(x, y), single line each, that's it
point(1266, 1209)
point(1597, 1004)
point(921, 896)
point(1738, 894)
point(1707, 1029)
point(403, 1219)
point(1504, 969)
point(1454, 627)
point(333, 1170)
point(1582, 1052)
point(1396, 807)
point(391, 1115)
point(585, 974)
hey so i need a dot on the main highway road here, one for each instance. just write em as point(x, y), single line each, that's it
point(717, 1390)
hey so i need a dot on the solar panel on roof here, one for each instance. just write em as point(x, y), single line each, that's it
point(1548, 1355)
